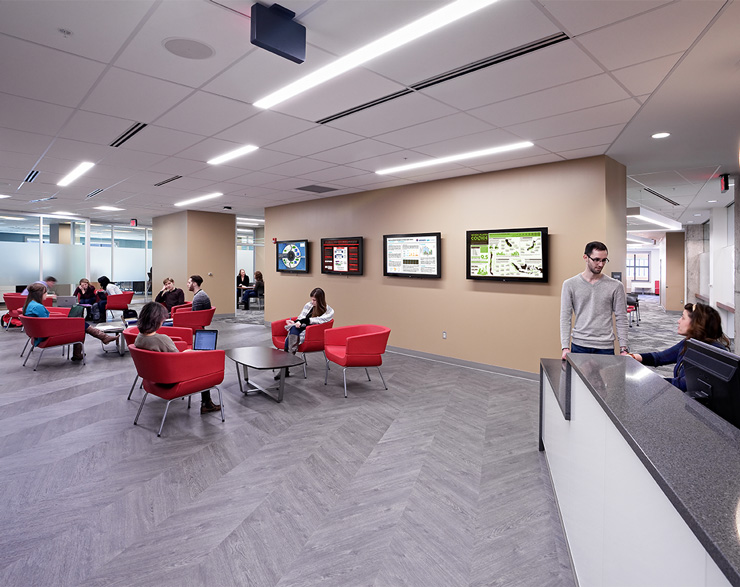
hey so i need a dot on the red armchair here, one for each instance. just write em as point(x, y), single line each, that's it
point(195, 320)
point(55, 331)
point(185, 306)
point(174, 375)
point(356, 346)
point(119, 301)
point(14, 303)
point(313, 343)
point(182, 337)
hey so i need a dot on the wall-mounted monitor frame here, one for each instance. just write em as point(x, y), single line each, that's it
point(292, 256)
point(507, 254)
point(417, 255)
point(342, 256)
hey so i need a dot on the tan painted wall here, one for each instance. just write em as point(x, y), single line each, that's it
point(505, 324)
point(193, 242)
point(674, 275)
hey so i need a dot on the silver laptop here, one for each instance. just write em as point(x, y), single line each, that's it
point(66, 301)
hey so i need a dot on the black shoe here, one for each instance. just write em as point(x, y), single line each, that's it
point(206, 408)
point(287, 374)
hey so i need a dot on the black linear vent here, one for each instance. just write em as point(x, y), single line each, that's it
point(173, 178)
point(457, 72)
point(661, 196)
point(130, 132)
point(33, 174)
point(317, 189)
point(94, 193)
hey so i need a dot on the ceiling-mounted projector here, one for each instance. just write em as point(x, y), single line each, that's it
point(274, 30)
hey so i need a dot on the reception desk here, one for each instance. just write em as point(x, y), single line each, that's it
point(647, 480)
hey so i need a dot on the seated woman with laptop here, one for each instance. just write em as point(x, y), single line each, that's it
point(151, 318)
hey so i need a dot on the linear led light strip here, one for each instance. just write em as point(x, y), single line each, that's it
point(199, 199)
point(451, 158)
point(232, 154)
point(398, 38)
point(652, 221)
point(75, 173)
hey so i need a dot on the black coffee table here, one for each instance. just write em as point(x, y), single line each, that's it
point(262, 358)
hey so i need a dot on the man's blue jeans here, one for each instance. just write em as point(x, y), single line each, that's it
point(574, 348)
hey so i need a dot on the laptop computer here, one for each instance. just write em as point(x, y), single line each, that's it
point(205, 340)
point(66, 301)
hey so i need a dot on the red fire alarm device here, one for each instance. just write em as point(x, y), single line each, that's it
point(134, 222)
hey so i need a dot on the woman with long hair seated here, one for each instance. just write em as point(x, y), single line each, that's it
point(34, 307)
point(698, 321)
point(256, 291)
point(316, 311)
point(150, 320)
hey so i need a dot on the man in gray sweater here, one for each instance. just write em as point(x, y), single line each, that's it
point(593, 297)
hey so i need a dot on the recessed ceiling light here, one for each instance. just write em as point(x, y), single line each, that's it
point(458, 157)
point(242, 220)
point(690, 222)
point(199, 199)
point(425, 25)
point(2, 196)
point(661, 135)
point(62, 213)
point(12, 218)
point(75, 173)
point(109, 208)
point(712, 201)
point(232, 154)
point(697, 214)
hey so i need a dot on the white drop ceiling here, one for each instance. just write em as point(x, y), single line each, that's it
point(627, 70)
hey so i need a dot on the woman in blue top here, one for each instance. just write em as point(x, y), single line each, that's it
point(698, 321)
point(35, 307)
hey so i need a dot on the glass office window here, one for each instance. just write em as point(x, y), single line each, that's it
point(130, 257)
point(100, 251)
point(638, 266)
point(245, 252)
point(19, 250)
point(63, 252)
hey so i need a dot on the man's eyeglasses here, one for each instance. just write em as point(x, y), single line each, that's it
point(603, 261)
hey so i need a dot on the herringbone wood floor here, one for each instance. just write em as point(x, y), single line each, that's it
point(435, 482)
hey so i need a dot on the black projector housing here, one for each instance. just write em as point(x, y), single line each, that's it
point(274, 30)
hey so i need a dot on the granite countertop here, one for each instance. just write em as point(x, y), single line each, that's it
point(693, 454)
point(559, 378)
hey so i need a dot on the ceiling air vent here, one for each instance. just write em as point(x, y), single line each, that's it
point(457, 72)
point(173, 178)
point(317, 189)
point(132, 130)
point(31, 176)
point(94, 193)
point(661, 196)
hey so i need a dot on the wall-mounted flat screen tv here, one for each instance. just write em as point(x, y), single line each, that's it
point(342, 256)
point(511, 254)
point(412, 255)
point(292, 256)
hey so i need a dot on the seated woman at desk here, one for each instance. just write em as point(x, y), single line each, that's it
point(257, 290)
point(698, 321)
point(150, 320)
point(170, 295)
point(242, 283)
point(316, 311)
point(35, 307)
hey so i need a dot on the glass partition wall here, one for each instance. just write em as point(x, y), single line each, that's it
point(33, 247)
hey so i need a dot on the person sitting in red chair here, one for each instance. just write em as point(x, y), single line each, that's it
point(35, 307)
point(170, 295)
point(150, 320)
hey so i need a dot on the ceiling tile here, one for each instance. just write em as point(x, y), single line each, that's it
point(137, 97)
point(77, 151)
point(580, 94)
point(316, 140)
point(32, 115)
point(333, 173)
point(645, 77)
point(578, 17)
point(162, 141)
point(434, 131)
point(553, 66)
point(523, 162)
point(298, 167)
point(356, 151)
point(95, 128)
point(580, 140)
point(265, 128)
point(206, 114)
point(472, 142)
point(649, 37)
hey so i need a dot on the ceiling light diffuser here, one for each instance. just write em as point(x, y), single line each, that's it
point(2, 196)
point(75, 173)
point(425, 25)
point(459, 157)
point(12, 218)
point(651, 217)
point(199, 199)
point(109, 208)
point(232, 154)
point(661, 135)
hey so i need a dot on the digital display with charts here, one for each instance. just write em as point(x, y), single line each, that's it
point(412, 255)
point(292, 256)
point(512, 254)
point(341, 255)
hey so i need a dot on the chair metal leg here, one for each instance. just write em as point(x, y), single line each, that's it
point(326, 373)
point(305, 373)
point(29, 354)
point(41, 354)
point(368, 374)
point(136, 378)
point(141, 405)
point(382, 378)
point(344, 372)
point(167, 407)
point(25, 347)
point(221, 403)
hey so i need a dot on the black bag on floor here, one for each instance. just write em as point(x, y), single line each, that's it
point(129, 314)
point(95, 311)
